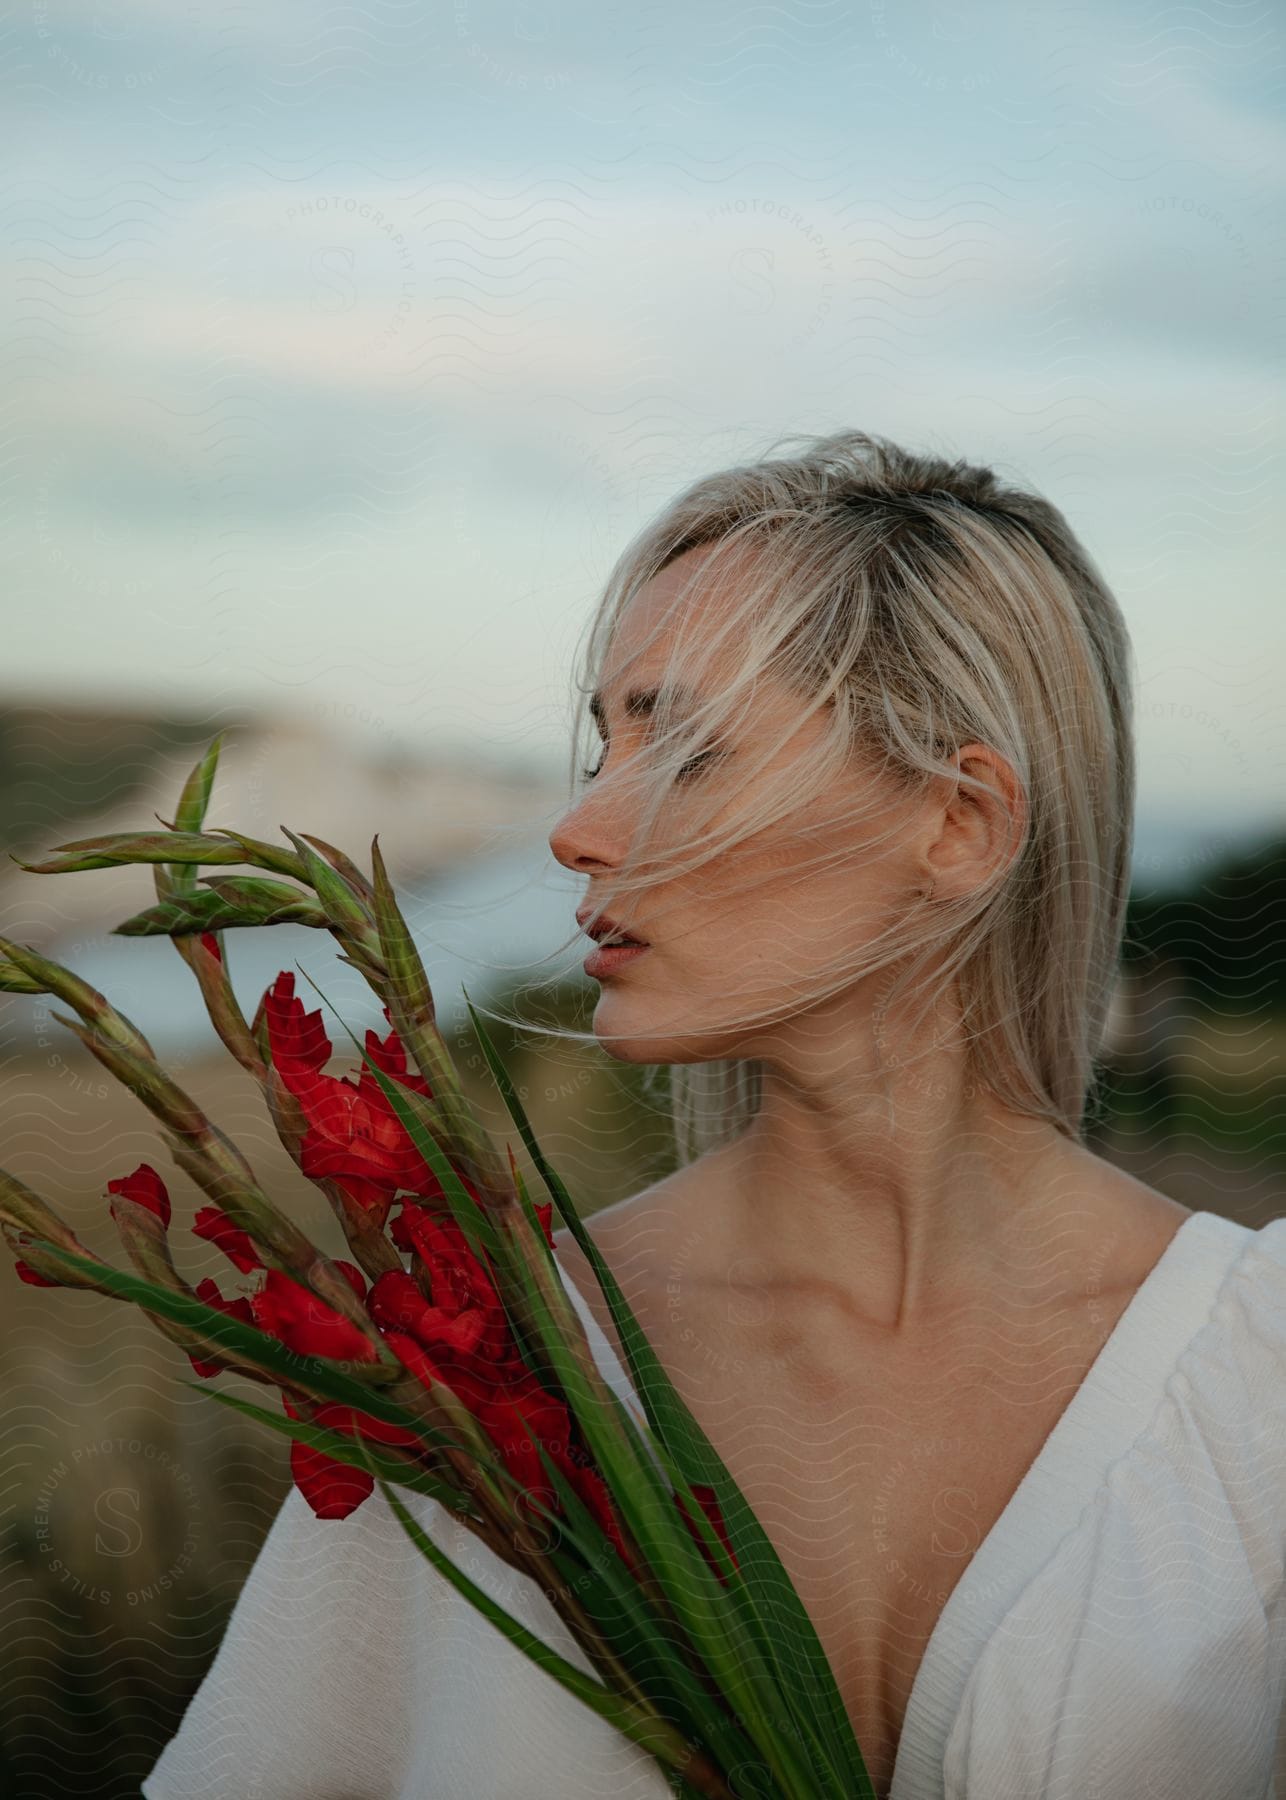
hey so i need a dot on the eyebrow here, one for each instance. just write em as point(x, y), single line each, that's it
point(640, 703)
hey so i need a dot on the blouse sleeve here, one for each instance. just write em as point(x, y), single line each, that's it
point(307, 1697)
point(1243, 1381)
point(1261, 1298)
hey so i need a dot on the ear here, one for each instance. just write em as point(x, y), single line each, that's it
point(977, 823)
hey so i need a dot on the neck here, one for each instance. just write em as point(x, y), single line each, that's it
point(893, 1189)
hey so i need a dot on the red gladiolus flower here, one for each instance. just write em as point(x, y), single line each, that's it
point(396, 1303)
point(146, 1187)
point(460, 1285)
point(214, 1225)
point(208, 1291)
point(292, 1313)
point(25, 1272)
point(354, 1137)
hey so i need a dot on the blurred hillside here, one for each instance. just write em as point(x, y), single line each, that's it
point(67, 774)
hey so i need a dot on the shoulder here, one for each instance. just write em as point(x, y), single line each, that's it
point(626, 1236)
point(1229, 1396)
point(1250, 1308)
point(1252, 1311)
point(639, 1239)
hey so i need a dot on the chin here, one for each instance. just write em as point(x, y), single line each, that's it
point(662, 1047)
point(626, 1050)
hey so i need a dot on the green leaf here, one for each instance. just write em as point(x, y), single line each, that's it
point(345, 866)
point(344, 910)
point(189, 816)
point(708, 1613)
point(117, 847)
point(410, 1002)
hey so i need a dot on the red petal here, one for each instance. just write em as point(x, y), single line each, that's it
point(294, 1314)
point(214, 1225)
point(333, 1489)
point(25, 1272)
point(239, 1308)
point(397, 1302)
point(146, 1188)
point(353, 1276)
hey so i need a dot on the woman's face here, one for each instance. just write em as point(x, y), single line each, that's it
point(754, 928)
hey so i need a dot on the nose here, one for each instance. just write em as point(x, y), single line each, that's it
point(584, 839)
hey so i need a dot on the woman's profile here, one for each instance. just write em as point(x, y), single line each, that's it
point(862, 800)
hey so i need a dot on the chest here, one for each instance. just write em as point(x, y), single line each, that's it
point(877, 1477)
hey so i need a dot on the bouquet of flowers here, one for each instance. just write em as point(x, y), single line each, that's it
point(446, 1357)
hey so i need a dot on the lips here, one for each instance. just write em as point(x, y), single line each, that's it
point(606, 928)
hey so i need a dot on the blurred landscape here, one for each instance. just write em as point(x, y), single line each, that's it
point(135, 1505)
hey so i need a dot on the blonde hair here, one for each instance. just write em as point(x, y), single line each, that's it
point(915, 604)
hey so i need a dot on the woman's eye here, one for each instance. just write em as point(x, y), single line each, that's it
point(691, 767)
point(695, 763)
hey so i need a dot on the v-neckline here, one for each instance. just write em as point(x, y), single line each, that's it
point(1115, 1401)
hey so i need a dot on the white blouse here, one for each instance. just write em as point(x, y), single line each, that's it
point(1120, 1634)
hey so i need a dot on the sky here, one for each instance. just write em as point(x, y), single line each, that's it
point(349, 346)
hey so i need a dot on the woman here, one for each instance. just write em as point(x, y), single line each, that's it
point(1015, 1422)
